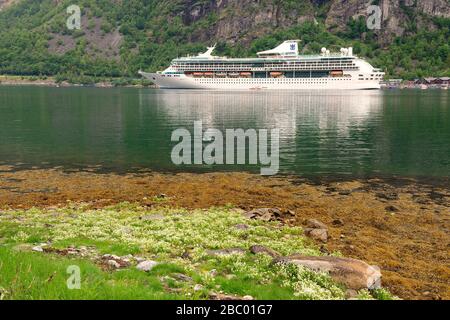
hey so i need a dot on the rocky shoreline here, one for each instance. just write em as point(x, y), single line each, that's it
point(401, 226)
point(51, 82)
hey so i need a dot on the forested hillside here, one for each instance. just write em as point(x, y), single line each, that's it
point(119, 37)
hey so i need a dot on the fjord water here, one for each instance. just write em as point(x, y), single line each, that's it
point(349, 133)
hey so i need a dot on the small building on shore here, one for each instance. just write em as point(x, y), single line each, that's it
point(433, 81)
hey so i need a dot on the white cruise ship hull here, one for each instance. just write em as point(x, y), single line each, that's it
point(168, 81)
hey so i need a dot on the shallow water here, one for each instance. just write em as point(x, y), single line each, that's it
point(346, 133)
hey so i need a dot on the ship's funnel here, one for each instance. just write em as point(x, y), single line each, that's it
point(287, 48)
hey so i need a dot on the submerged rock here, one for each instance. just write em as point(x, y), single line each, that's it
point(354, 274)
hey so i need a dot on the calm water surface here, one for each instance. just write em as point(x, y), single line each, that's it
point(350, 133)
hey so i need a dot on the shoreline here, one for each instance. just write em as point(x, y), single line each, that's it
point(403, 228)
point(7, 80)
point(51, 82)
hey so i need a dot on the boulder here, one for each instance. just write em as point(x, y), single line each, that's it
point(146, 265)
point(317, 234)
point(316, 224)
point(354, 274)
point(261, 249)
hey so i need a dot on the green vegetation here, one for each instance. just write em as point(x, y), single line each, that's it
point(161, 234)
point(34, 39)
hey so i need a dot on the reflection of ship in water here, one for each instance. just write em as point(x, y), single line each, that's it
point(306, 120)
point(267, 109)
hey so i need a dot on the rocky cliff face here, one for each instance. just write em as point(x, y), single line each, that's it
point(396, 14)
point(245, 20)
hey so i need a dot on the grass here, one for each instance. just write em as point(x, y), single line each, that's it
point(162, 234)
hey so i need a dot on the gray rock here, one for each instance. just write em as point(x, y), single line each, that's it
point(262, 249)
point(182, 277)
point(198, 287)
point(37, 249)
point(317, 234)
point(354, 274)
point(248, 298)
point(146, 265)
point(114, 264)
point(265, 214)
point(316, 224)
point(139, 259)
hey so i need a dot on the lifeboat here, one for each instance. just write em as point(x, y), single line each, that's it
point(198, 74)
point(233, 74)
point(276, 74)
point(209, 74)
point(336, 73)
point(246, 74)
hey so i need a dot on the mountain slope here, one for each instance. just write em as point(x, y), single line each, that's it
point(119, 37)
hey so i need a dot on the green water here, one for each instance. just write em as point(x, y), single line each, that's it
point(349, 133)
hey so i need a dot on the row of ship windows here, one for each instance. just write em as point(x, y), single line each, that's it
point(268, 80)
point(265, 66)
point(268, 70)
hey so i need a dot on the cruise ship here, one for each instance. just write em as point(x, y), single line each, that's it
point(281, 68)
